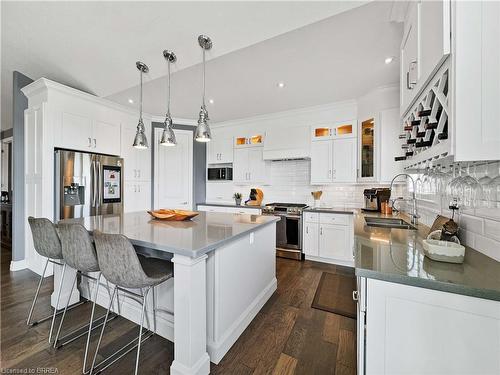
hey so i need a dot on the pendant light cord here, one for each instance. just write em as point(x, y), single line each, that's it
point(140, 105)
point(203, 77)
point(168, 100)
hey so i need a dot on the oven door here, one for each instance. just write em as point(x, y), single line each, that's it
point(289, 233)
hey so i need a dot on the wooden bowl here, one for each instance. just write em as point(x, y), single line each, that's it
point(173, 215)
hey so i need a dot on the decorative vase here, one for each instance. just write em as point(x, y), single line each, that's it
point(238, 201)
point(316, 203)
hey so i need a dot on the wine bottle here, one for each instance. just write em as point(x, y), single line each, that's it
point(442, 136)
point(424, 113)
point(415, 122)
point(411, 141)
point(408, 128)
point(399, 158)
point(431, 125)
point(420, 134)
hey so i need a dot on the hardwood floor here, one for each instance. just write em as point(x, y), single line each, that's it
point(286, 337)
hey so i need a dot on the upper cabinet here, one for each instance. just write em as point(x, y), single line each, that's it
point(333, 161)
point(341, 129)
point(84, 133)
point(249, 166)
point(287, 143)
point(249, 141)
point(220, 149)
point(367, 156)
point(136, 162)
point(425, 45)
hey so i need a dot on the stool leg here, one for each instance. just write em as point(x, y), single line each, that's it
point(102, 330)
point(57, 303)
point(37, 292)
point(154, 310)
point(64, 312)
point(90, 324)
point(144, 300)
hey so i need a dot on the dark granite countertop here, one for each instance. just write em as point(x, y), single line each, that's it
point(331, 210)
point(397, 255)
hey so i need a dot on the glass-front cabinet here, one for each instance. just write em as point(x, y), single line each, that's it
point(340, 129)
point(367, 149)
point(248, 141)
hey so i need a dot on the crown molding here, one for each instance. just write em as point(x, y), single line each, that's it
point(288, 113)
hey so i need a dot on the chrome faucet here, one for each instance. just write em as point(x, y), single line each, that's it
point(414, 214)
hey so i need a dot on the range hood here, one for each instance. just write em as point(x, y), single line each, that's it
point(287, 143)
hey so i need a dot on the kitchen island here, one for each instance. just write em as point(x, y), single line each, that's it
point(224, 272)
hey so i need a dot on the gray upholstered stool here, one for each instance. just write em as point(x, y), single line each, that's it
point(79, 253)
point(120, 264)
point(47, 244)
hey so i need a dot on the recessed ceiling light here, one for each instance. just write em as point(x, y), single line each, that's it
point(389, 59)
point(131, 101)
point(281, 84)
point(211, 101)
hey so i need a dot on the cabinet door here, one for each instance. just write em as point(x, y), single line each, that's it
point(143, 196)
point(344, 160)
point(409, 58)
point(256, 165)
point(129, 154)
point(389, 129)
point(129, 196)
point(173, 172)
point(213, 151)
point(345, 129)
point(76, 132)
point(106, 138)
point(334, 242)
point(311, 239)
point(321, 162)
point(240, 166)
point(144, 157)
point(225, 147)
point(434, 40)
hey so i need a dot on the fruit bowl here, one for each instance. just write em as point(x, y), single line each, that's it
point(172, 215)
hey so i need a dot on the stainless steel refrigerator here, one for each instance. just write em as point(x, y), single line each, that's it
point(87, 184)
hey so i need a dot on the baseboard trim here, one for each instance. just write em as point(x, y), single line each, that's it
point(18, 265)
point(330, 261)
point(217, 350)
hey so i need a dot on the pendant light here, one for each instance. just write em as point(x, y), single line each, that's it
point(168, 135)
point(140, 140)
point(202, 133)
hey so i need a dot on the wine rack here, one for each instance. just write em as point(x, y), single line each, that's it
point(426, 123)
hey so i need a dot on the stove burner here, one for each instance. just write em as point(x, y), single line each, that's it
point(288, 208)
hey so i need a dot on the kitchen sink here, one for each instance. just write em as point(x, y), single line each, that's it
point(388, 223)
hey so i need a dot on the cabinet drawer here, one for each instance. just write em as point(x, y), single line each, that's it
point(338, 219)
point(311, 217)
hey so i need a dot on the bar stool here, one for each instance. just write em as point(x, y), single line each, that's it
point(79, 253)
point(47, 244)
point(120, 264)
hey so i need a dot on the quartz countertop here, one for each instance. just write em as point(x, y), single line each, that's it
point(331, 210)
point(230, 205)
point(397, 255)
point(193, 238)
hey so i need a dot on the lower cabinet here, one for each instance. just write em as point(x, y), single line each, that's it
point(234, 210)
point(137, 196)
point(328, 238)
point(412, 330)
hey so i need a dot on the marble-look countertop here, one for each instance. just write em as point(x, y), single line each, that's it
point(193, 238)
point(331, 210)
point(397, 255)
point(230, 205)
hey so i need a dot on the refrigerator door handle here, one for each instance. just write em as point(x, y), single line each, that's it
point(99, 183)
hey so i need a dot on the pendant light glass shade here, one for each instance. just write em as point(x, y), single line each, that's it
point(140, 140)
point(168, 135)
point(202, 133)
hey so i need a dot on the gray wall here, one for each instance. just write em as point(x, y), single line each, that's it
point(199, 164)
point(20, 103)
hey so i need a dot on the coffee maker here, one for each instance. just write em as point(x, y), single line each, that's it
point(374, 198)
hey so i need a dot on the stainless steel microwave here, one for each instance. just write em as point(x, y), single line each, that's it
point(220, 174)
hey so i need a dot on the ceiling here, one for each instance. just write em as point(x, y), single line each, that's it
point(93, 46)
point(339, 58)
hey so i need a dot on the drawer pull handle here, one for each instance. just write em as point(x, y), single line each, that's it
point(355, 295)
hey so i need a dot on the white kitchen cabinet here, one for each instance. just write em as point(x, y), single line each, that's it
point(84, 133)
point(227, 209)
point(328, 238)
point(334, 242)
point(220, 149)
point(311, 239)
point(333, 161)
point(249, 166)
point(386, 148)
point(411, 330)
point(409, 57)
point(137, 196)
point(137, 162)
point(339, 129)
point(219, 192)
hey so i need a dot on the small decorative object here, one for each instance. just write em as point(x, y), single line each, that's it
point(317, 196)
point(173, 215)
point(444, 251)
point(256, 197)
point(237, 198)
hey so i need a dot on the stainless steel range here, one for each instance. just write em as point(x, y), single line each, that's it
point(288, 229)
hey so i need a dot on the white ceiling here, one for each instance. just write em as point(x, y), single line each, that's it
point(335, 59)
point(93, 46)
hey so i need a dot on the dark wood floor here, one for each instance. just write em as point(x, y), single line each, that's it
point(286, 337)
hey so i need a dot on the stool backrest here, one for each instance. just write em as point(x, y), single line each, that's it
point(118, 261)
point(45, 238)
point(77, 247)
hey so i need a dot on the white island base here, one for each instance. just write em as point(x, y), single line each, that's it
point(210, 300)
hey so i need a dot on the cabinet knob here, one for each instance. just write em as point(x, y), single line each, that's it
point(184, 203)
point(307, 229)
point(90, 141)
point(95, 143)
point(321, 230)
